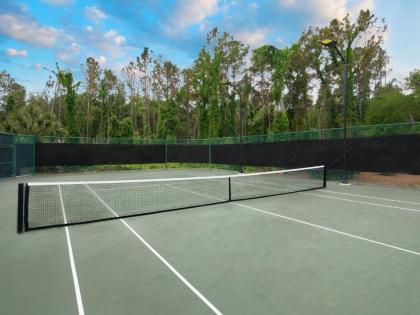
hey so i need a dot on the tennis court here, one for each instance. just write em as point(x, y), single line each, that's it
point(334, 250)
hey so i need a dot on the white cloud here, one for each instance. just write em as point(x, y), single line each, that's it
point(38, 66)
point(326, 10)
point(111, 41)
point(202, 27)
point(58, 2)
point(113, 36)
point(254, 5)
point(190, 12)
point(89, 28)
point(95, 14)
point(13, 52)
point(280, 40)
point(24, 7)
point(68, 37)
point(362, 5)
point(287, 3)
point(70, 55)
point(329, 9)
point(101, 60)
point(252, 38)
point(28, 31)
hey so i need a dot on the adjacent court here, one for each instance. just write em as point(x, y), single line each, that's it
point(334, 250)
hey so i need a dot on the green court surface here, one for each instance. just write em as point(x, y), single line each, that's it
point(340, 250)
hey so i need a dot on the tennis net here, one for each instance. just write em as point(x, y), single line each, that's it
point(50, 204)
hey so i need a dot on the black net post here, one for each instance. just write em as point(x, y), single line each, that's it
point(230, 191)
point(325, 177)
point(21, 205)
point(25, 207)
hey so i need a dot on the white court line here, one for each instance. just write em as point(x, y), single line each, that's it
point(332, 230)
point(161, 258)
point(315, 225)
point(342, 199)
point(71, 257)
point(363, 202)
point(371, 197)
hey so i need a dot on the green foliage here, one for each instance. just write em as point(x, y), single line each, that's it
point(10, 104)
point(390, 105)
point(32, 120)
point(168, 120)
point(65, 79)
point(114, 127)
point(413, 82)
point(297, 100)
point(281, 123)
point(126, 128)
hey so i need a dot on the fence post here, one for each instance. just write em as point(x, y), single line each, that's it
point(166, 154)
point(210, 153)
point(14, 162)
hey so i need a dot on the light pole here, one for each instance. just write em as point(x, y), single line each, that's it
point(332, 44)
point(241, 129)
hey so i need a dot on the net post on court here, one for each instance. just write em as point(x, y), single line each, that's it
point(325, 178)
point(20, 227)
point(52, 204)
point(23, 204)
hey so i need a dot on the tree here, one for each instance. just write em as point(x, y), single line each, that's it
point(130, 75)
point(65, 78)
point(200, 83)
point(186, 97)
point(269, 66)
point(114, 127)
point(390, 105)
point(157, 90)
point(143, 64)
point(126, 129)
point(168, 121)
point(171, 79)
point(12, 94)
point(106, 94)
point(413, 82)
point(297, 100)
point(281, 123)
point(33, 119)
point(92, 73)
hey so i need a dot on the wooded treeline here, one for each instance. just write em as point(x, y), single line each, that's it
point(282, 89)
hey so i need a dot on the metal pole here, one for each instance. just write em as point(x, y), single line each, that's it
point(241, 131)
point(346, 100)
point(166, 154)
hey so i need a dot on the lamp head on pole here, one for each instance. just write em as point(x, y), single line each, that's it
point(232, 85)
point(225, 83)
point(331, 43)
point(327, 42)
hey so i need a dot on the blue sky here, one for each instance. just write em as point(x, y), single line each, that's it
point(37, 33)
